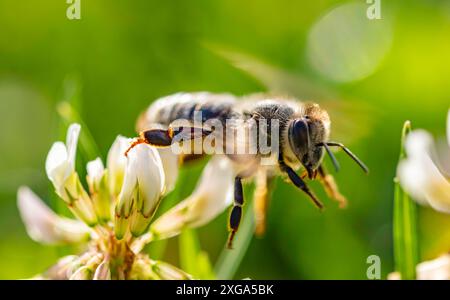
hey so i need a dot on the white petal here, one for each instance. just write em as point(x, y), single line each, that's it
point(438, 195)
point(170, 166)
point(116, 154)
point(103, 271)
point(128, 186)
point(413, 179)
point(116, 162)
point(418, 143)
point(43, 225)
point(419, 175)
point(437, 269)
point(71, 143)
point(412, 172)
point(59, 270)
point(215, 189)
point(60, 163)
point(95, 170)
point(56, 164)
point(150, 175)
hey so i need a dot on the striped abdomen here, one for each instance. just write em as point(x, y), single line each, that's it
point(185, 106)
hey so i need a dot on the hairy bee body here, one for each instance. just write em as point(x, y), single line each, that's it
point(228, 110)
point(297, 134)
point(166, 110)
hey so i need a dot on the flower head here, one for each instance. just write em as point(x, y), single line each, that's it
point(116, 210)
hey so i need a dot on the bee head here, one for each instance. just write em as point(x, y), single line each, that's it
point(308, 140)
point(306, 134)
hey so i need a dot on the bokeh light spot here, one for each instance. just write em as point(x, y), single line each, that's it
point(344, 45)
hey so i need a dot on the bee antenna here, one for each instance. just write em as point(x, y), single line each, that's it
point(333, 158)
point(349, 153)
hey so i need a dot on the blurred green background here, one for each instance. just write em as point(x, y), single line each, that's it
point(122, 55)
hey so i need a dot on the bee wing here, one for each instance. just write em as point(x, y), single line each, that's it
point(351, 119)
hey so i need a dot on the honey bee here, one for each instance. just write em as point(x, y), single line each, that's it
point(301, 132)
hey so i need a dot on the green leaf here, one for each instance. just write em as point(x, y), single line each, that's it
point(230, 259)
point(406, 248)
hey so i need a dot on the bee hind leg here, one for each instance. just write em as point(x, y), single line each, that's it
point(154, 137)
point(236, 211)
point(331, 187)
point(261, 198)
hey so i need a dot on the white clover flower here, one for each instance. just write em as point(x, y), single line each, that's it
point(170, 163)
point(141, 192)
point(43, 225)
point(420, 174)
point(131, 188)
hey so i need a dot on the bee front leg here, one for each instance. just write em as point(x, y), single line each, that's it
point(236, 211)
point(165, 137)
point(298, 181)
point(331, 187)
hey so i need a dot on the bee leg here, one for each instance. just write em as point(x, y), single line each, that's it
point(165, 137)
point(331, 187)
point(158, 137)
point(262, 197)
point(134, 144)
point(298, 181)
point(236, 211)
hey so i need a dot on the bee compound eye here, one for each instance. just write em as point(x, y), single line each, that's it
point(299, 133)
